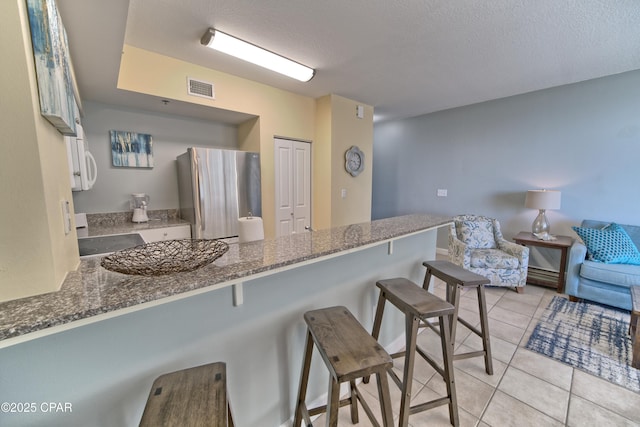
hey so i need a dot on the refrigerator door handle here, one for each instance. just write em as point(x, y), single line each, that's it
point(198, 197)
point(199, 217)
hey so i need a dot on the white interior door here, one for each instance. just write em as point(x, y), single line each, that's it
point(284, 187)
point(293, 186)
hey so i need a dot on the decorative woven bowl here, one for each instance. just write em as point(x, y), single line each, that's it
point(165, 257)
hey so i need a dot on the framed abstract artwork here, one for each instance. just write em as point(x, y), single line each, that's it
point(131, 149)
point(56, 84)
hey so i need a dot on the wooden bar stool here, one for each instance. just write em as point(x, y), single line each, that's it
point(418, 305)
point(457, 278)
point(190, 397)
point(349, 353)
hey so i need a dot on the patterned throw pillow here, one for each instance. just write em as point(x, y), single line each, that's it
point(477, 234)
point(611, 245)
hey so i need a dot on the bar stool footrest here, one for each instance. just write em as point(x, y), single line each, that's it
point(468, 355)
point(470, 327)
point(428, 405)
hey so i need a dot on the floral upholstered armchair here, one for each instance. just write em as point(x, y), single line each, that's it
point(476, 244)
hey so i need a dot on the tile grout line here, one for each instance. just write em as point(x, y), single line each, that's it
point(507, 368)
point(493, 393)
point(533, 319)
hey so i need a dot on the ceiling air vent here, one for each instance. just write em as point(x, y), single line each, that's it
point(200, 88)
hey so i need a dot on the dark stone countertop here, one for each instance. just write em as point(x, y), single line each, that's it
point(92, 290)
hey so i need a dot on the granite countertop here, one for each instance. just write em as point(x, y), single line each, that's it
point(92, 290)
point(120, 223)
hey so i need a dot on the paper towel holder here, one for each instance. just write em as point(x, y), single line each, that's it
point(250, 233)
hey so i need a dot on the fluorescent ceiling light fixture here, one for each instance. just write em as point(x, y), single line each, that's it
point(230, 45)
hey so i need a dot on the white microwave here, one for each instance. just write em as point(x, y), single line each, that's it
point(82, 165)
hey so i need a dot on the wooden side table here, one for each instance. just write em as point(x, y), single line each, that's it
point(541, 276)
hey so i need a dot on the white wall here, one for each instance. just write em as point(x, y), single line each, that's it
point(582, 139)
point(172, 135)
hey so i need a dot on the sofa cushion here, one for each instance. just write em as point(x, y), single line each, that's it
point(476, 234)
point(609, 245)
point(493, 258)
point(632, 230)
point(618, 274)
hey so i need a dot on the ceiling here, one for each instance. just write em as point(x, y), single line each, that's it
point(406, 58)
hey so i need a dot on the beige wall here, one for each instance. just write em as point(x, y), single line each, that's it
point(329, 122)
point(280, 113)
point(35, 255)
point(321, 170)
point(338, 129)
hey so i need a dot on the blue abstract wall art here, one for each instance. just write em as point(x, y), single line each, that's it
point(131, 149)
point(53, 66)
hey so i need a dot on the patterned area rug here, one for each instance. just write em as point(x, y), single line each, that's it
point(590, 337)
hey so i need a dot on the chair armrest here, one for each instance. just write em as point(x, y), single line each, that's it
point(577, 255)
point(459, 252)
point(516, 250)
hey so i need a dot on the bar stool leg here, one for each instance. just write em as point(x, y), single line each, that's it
point(427, 280)
point(453, 297)
point(412, 322)
point(447, 356)
point(354, 403)
point(484, 324)
point(333, 404)
point(385, 399)
point(230, 417)
point(377, 322)
point(304, 380)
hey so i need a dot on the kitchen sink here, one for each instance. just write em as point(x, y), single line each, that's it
point(103, 245)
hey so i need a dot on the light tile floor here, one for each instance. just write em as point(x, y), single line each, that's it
point(526, 389)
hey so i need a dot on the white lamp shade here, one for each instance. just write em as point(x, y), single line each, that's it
point(542, 199)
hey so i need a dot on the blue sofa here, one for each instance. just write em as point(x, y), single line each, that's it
point(597, 281)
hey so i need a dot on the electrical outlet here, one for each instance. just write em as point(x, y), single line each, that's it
point(442, 193)
point(343, 193)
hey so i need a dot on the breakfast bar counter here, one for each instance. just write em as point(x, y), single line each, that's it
point(93, 291)
point(108, 334)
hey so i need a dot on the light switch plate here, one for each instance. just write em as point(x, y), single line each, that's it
point(66, 216)
point(442, 193)
point(81, 220)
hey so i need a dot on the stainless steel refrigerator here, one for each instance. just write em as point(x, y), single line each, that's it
point(216, 187)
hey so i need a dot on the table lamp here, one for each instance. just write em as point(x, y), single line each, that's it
point(542, 200)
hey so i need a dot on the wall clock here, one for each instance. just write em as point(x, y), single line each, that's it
point(354, 160)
